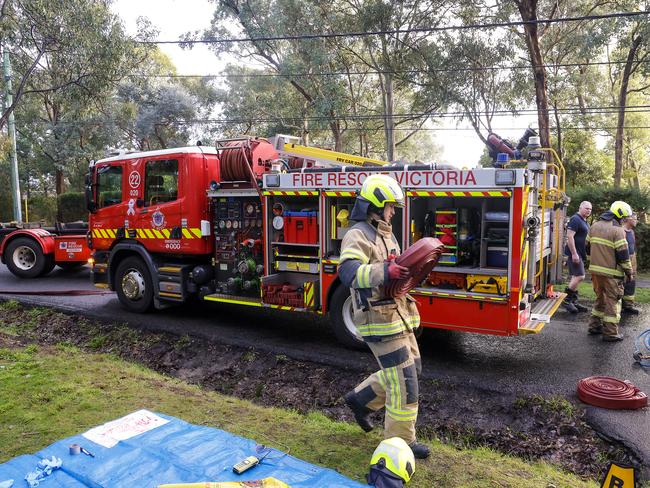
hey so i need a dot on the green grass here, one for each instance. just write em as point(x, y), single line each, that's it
point(586, 291)
point(43, 399)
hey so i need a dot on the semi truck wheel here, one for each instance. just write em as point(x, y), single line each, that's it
point(133, 285)
point(341, 318)
point(25, 258)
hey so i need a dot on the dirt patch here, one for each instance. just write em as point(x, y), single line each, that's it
point(550, 429)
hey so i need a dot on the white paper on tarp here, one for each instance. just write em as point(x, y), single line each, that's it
point(135, 423)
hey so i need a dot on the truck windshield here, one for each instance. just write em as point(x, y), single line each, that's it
point(109, 186)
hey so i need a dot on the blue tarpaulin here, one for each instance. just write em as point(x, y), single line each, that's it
point(174, 452)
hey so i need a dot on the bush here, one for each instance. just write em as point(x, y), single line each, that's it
point(601, 197)
point(72, 206)
point(41, 208)
point(642, 232)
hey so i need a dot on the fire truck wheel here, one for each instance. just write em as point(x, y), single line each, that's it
point(133, 285)
point(49, 264)
point(25, 258)
point(341, 318)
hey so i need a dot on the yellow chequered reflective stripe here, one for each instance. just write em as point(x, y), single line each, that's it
point(150, 234)
point(157, 233)
point(353, 254)
point(389, 328)
point(186, 234)
point(140, 233)
point(605, 271)
point(604, 242)
point(196, 232)
point(620, 243)
point(166, 233)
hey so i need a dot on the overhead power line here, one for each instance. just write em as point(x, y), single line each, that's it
point(330, 35)
point(378, 72)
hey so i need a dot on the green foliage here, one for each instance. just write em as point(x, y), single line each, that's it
point(72, 207)
point(42, 208)
point(585, 164)
point(642, 233)
point(601, 197)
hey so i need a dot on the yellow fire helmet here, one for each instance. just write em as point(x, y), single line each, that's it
point(382, 189)
point(621, 209)
point(392, 463)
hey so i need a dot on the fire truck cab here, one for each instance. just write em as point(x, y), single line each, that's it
point(259, 223)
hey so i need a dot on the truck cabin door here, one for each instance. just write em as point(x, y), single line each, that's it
point(109, 203)
point(159, 227)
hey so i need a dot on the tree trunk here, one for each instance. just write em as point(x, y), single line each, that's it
point(528, 11)
point(622, 100)
point(559, 131)
point(389, 121)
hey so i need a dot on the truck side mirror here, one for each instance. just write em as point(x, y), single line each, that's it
point(91, 206)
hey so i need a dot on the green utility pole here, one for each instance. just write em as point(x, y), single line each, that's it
point(11, 129)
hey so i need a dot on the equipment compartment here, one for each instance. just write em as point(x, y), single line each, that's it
point(291, 290)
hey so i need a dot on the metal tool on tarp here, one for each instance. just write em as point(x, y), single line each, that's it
point(77, 449)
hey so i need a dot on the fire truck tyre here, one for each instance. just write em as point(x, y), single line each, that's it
point(133, 285)
point(25, 258)
point(341, 318)
point(74, 266)
point(49, 264)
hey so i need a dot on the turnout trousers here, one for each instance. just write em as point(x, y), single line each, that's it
point(606, 313)
point(629, 288)
point(395, 385)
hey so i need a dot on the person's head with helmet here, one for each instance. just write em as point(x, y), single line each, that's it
point(378, 197)
point(392, 464)
point(621, 210)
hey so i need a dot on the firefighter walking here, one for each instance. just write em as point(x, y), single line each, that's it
point(386, 325)
point(630, 287)
point(610, 266)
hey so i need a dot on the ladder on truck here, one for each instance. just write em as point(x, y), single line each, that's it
point(289, 147)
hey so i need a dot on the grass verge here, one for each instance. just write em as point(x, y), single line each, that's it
point(641, 295)
point(43, 399)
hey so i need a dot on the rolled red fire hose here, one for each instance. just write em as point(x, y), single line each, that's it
point(608, 392)
point(420, 259)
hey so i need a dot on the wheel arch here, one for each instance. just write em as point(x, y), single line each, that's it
point(42, 237)
point(330, 293)
point(124, 250)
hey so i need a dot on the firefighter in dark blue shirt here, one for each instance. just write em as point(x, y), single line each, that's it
point(576, 252)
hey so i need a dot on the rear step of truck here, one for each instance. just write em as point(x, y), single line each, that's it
point(541, 313)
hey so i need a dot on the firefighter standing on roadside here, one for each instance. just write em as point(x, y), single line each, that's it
point(610, 265)
point(630, 287)
point(386, 325)
point(576, 252)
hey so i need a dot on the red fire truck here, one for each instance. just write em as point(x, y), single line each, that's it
point(236, 224)
point(259, 223)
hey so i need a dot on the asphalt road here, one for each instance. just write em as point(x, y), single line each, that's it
point(549, 363)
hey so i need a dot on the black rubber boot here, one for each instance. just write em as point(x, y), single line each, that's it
point(578, 305)
point(361, 413)
point(613, 338)
point(420, 451)
point(595, 326)
point(630, 309)
point(568, 301)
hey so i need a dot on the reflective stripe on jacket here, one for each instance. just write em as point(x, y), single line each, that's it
point(363, 266)
point(608, 249)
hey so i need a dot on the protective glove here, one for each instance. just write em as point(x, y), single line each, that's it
point(397, 272)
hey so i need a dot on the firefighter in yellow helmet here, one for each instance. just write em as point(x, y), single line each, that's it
point(386, 324)
point(610, 266)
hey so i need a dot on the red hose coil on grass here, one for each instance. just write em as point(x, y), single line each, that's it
point(608, 392)
point(420, 259)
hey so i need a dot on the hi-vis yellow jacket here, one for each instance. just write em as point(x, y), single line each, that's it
point(607, 246)
point(363, 267)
